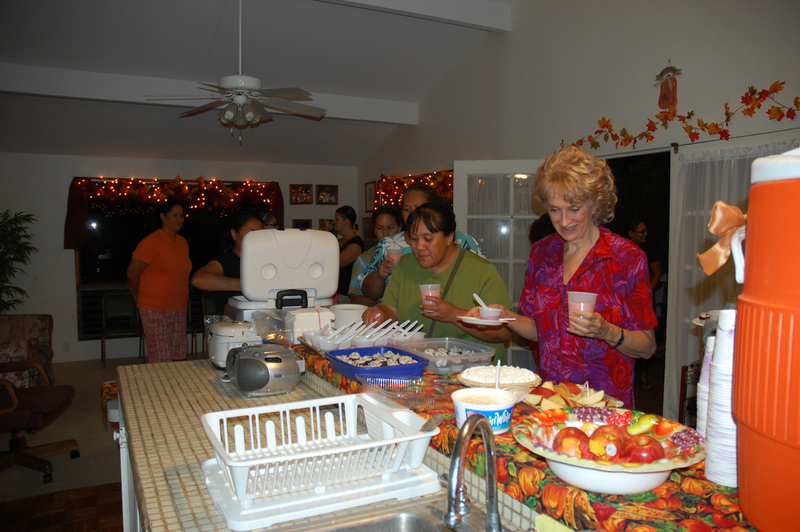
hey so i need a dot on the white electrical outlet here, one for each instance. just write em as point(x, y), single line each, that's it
point(66, 347)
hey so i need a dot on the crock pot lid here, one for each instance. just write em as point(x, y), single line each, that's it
point(776, 167)
point(232, 328)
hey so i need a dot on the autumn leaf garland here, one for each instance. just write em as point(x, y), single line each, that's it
point(751, 101)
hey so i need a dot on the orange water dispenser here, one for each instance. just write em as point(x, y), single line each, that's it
point(766, 388)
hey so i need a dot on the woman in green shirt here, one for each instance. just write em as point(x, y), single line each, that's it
point(430, 231)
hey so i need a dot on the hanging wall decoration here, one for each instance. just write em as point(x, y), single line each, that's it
point(668, 96)
point(752, 100)
point(389, 189)
point(123, 194)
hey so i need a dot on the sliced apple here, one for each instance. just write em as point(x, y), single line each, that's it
point(533, 399)
point(573, 388)
point(592, 399)
point(543, 391)
point(548, 385)
point(548, 404)
point(562, 391)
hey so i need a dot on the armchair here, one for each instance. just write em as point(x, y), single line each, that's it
point(32, 409)
point(27, 338)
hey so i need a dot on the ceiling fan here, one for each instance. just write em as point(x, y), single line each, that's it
point(245, 101)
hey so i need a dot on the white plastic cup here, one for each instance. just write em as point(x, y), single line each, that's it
point(581, 302)
point(491, 314)
point(430, 290)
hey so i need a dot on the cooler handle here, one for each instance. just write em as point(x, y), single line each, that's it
point(738, 257)
point(291, 294)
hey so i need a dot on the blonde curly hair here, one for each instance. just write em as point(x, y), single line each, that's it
point(578, 176)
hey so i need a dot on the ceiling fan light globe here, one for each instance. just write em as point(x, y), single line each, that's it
point(250, 114)
point(228, 113)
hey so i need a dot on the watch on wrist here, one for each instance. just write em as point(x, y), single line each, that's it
point(621, 338)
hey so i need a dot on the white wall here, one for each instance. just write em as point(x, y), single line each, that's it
point(38, 184)
point(567, 64)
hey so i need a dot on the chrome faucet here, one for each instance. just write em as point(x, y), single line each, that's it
point(457, 506)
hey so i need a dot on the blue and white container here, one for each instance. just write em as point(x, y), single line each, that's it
point(498, 408)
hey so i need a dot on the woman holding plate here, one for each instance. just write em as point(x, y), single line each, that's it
point(436, 259)
point(597, 347)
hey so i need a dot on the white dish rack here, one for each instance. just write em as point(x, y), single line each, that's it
point(282, 462)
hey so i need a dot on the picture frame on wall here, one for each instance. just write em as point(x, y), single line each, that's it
point(301, 223)
point(326, 224)
point(369, 196)
point(327, 195)
point(301, 195)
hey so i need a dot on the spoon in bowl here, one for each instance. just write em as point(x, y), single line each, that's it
point(479, 300)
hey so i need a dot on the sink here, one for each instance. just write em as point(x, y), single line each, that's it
point(399, 522)
point(422, 514)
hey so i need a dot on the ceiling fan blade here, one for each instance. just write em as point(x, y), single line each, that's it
point(203, 108)
point(265, 115)
point(217, 88)
point(293, 108)
point(287, 93)
point(165, 98)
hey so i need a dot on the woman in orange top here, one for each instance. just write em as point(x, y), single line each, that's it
point(158, 277)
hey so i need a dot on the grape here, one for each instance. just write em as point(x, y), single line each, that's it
point(686, 439)
point(591, 413)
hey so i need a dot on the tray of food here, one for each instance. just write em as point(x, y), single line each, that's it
point(376, 362)
point(548, 396)
point(485, 376)
point(449, 355)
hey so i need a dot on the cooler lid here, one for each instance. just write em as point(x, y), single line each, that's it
point(273, 261)
point(776, 167)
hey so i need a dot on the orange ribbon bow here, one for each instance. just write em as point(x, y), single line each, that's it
point(725, 219)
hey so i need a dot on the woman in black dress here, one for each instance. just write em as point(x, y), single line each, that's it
point(350, 247)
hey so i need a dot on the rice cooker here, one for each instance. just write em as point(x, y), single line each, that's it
point(226, 335)
point(265, 369)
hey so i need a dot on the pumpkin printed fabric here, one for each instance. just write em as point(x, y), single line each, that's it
point(686, 501)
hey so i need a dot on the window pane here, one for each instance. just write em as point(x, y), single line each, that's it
point(523, 198)
point(488, 194)
point(522, 246)
point(519, 281)
point(502, 269)
point(493, 236)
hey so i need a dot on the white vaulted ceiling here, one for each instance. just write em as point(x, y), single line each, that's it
point(74, 74)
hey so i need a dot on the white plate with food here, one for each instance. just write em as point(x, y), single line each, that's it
point(490, 323)
point(705, 316)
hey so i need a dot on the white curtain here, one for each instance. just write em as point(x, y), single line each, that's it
point(703, 178)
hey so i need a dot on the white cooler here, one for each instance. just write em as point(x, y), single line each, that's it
point(288, 278)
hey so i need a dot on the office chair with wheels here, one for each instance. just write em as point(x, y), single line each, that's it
point(31, 410)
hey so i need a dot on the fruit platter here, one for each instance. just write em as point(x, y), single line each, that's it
point(610, 450)
point(549, 396)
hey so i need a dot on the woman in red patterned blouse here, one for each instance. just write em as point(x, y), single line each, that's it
point(596, 347)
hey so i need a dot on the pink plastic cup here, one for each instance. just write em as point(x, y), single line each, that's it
point(430, 290)
point(581, 302)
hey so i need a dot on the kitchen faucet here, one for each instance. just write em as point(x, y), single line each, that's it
point(457, 505)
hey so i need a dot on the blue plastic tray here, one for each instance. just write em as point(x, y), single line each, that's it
point(350, 371)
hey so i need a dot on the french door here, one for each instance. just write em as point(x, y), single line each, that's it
point(493, 203)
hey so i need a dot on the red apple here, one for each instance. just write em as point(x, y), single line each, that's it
point(568, 441)
point(573, 388)
point(606, 445)
point(642, 449)
point(612, 430)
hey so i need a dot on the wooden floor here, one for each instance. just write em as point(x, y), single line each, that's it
point(83, 509)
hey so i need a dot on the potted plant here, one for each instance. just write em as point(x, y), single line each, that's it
point(15, 251)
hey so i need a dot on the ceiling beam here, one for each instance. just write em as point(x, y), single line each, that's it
point(60, 83)
point(489, 15)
